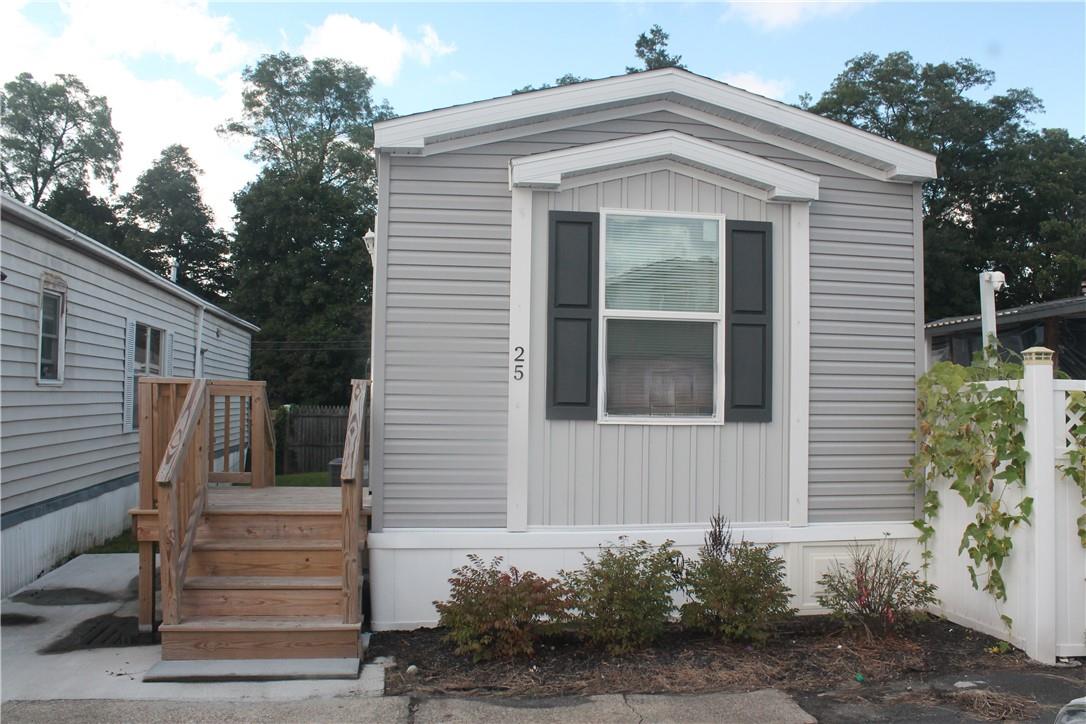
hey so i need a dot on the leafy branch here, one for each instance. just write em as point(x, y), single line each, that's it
point(972, 436)
point(1075, 468)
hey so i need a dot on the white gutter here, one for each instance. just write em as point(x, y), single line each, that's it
point(30, 216)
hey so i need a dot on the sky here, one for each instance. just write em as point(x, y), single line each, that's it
point(171, 69)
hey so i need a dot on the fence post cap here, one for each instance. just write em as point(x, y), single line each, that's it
point(1037, 356)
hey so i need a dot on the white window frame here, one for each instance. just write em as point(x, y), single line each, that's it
point(717, 318)
point(137, 372)
point(62, 308)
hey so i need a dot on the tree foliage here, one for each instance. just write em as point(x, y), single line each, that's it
point(312, 120)
point(54, 134)
point(302, 271)
point(168, 223)
point(1007, 197)
point(651, 49)
point(92, 215)
point(567, 79)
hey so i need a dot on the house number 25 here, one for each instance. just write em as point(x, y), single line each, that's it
point(518, 363)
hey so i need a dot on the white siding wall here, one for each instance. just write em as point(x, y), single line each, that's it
point(447, 223)
point(60, 440)
point(584, 473)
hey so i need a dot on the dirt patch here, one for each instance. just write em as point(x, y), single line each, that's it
point(811, 657)
point(106, 631)
point(19, 619)
point(62, 597)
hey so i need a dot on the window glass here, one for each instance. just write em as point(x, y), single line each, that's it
point(155, 352)
point(49, 358)
point(141, 347)
point(660, 368)
point(662, 263)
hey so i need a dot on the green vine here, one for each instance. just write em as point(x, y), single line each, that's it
point(972, 437)
point(1075, 468)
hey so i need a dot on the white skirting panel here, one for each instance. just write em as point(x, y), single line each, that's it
point(410, 568)
point(35, 546)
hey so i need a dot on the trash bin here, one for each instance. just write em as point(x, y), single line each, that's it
point(335, 469)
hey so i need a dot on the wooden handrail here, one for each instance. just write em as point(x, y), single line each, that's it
point(182, 476)
point(182, 434)
point(351, 478)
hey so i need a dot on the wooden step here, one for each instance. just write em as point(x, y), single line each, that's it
point(262, 596)
point(260, 637)
point(244, 557)
point(253, 525)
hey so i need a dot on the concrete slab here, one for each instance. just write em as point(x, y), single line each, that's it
point(393, 710)
point(253, 670)
point(117, 673)
point(559, 710)
point(755, 707)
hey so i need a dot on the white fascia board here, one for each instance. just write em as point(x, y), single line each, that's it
point(547, 170)
point(410, 134)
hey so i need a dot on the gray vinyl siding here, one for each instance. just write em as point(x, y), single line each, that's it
point(585, 473)
point(61, 439)
point(444, 400)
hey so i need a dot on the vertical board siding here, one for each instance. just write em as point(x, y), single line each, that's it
point(61, 439)
point(447, 289)
point(660, 474)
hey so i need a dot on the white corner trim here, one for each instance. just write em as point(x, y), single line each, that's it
point(520, 324)
point(548, 170)
point(799, 342)
point(412, 133)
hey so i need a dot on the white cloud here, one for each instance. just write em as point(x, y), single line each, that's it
point(379, 50)
point(750, 81)
point(779, 14)
point(104, 44)
point(150, 114)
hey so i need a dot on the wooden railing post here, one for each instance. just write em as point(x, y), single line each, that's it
point(351, 478)
point(259, 444)
point(146, 502)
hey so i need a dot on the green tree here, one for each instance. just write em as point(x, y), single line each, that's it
point(307, 118)
point(54, 134)
point(1006, 198)
point(651, 50)
point(567, 79)
point(302, 272)
point(88, 214)
point(170, 224)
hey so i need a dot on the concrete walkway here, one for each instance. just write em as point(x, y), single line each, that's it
point(758, 707)
point(92, 586)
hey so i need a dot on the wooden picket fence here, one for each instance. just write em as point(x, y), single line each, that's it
point(312, 436)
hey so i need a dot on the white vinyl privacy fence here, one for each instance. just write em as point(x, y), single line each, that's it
point(1046, 571)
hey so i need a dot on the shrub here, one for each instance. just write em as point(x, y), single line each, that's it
point(876, 588)
point(737, 592)
point(494, 613)
point(623, 597)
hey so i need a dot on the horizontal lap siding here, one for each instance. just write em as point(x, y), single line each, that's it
point(61, 439)
point(446, 338)
point(584, 473)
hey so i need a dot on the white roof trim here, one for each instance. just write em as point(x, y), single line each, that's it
point(411, 134)
point(549, 170)
point(48, 225)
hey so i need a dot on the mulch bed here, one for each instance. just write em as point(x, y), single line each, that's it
point(808, 655)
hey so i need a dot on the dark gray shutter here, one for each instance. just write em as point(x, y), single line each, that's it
point(748, 340)
point(572, 315)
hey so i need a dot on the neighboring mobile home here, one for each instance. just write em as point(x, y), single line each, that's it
point(619, 307)
point(80, 324)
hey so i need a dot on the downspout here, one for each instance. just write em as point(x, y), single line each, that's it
point(198, 359)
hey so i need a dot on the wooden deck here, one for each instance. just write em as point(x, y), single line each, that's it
point(248, 570)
